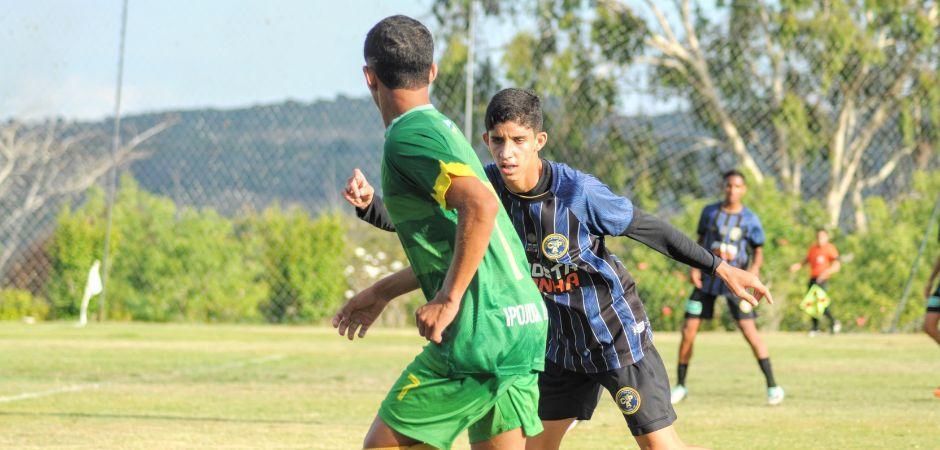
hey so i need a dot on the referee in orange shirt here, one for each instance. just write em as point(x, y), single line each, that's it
point(823, 261)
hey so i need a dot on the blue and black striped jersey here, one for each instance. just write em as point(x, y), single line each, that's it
point(730, 237)
point(599, 322)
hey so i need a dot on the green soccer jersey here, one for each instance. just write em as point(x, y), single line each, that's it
point(502, 323)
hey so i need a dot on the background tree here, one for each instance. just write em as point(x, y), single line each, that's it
point(832, 77)
point(44, 163)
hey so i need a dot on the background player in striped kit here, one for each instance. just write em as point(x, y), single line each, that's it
point(733, 233)
point(599, 334)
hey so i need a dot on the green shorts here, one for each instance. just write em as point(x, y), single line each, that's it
point(427, 406)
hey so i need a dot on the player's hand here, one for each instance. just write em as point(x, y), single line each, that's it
point(696, 276)
point(795, 267)
point(435, 316)
point(741, 281)
point(359, 313)
point(358, 191)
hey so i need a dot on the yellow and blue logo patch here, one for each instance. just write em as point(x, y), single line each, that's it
point(628, 399)
point(554, 246)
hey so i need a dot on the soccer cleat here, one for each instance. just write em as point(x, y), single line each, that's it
point(813, 333)
point(679, 393)
point(936, 392)
point(775, 395)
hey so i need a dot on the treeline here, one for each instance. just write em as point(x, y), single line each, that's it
point(282, 266)
point(181, 264)
point(875, 264)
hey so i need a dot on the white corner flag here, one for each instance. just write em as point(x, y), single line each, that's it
point(92, 287)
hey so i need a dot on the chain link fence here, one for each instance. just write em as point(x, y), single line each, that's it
point(235, 215)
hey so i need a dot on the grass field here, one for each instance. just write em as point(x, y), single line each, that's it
point(191, 386)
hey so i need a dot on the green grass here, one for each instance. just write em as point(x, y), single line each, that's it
point(196, 386)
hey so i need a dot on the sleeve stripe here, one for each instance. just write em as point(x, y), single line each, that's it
point(442, 184)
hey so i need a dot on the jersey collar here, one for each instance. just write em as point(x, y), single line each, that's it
point(406, 113)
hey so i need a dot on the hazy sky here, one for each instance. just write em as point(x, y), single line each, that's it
point(60, 56)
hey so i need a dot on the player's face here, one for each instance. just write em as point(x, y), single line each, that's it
point(734, 188)
point(822, 237)
point(515, 150)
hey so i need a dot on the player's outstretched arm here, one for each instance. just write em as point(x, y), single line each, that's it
point(369, 207)
point(476, 216)
point(661, 236)
point(741, 281)
point(361, 311)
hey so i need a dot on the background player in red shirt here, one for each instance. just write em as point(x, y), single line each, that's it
point(823, 260)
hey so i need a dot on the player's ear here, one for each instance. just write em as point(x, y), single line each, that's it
point(432, 75)
point(486, 138)
point(372, 81)
point(541, 138)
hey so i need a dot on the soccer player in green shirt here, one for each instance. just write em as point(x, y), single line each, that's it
point(484, 319)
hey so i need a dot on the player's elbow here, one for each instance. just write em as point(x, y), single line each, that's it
point(485, 206)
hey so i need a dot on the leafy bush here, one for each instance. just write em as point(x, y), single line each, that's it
point(166, 263)
point(16, 304)
point(302, 262)
point(865, 292)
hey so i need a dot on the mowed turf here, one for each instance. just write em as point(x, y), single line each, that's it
point(153, 386)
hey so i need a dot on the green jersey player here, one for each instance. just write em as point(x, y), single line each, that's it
point(484, 319)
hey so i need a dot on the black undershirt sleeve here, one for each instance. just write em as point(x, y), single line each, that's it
point(666, 239)
point(376, 214)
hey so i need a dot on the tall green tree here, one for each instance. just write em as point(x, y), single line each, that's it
point(847, 90)
point(830, 76)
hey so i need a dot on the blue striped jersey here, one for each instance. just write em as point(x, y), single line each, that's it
point(730, 237)
point(597, 321)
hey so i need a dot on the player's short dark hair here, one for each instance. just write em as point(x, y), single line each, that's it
point(733, 173)
point(401, 51)
point(823, 229)
point(518, 105)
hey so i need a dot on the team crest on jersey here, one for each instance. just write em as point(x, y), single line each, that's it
point(628, 399)
point(735, 233)
point(554, 246)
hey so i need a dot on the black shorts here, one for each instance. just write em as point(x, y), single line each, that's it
point(701, 305)
point(822, 284)
point(933, 303)
point(641, 391)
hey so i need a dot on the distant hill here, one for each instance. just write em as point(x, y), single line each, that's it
point(302, 153)
point(294, 153)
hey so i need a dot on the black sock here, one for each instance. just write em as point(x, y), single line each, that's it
point(683, 368)
point(815, 324)
point(768, 372)
point(832, 321)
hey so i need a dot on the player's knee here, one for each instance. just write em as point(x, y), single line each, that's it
point(689, 330)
